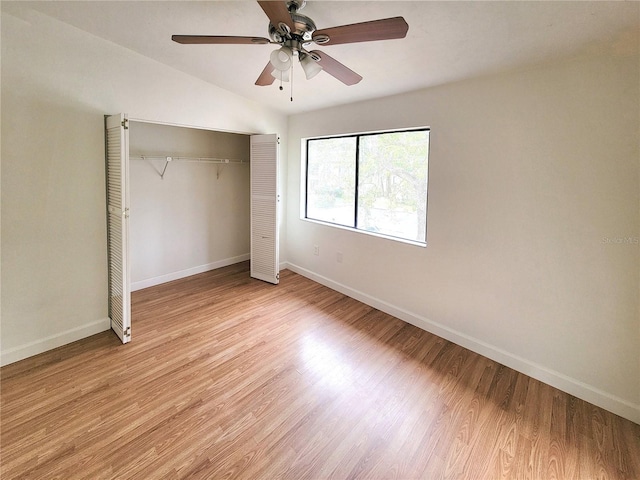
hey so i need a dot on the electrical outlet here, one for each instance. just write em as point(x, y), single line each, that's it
point(316, 250)
point(339, 257)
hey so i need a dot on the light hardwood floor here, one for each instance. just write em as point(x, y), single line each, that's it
point(229, 377)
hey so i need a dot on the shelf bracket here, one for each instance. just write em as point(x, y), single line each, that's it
point(220, 167)
point(166, 164)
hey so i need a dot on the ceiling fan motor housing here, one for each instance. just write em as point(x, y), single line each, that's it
point(303, 29)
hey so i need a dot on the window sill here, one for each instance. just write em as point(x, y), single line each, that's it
point(366, 232)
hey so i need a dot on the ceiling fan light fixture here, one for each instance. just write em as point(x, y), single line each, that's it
point(310, 66)
point(281, 59)
point(282, 75)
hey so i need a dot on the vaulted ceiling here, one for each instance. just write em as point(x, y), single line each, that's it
point(447, 41)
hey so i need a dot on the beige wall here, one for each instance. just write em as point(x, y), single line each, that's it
point(533, 181)
point(57, 84)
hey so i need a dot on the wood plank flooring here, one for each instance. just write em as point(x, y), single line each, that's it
point(229, 377)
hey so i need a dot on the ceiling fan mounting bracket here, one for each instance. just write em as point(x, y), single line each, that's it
point(283, 29)
point(321, 39)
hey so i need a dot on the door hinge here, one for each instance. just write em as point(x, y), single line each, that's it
point(277, 276)
point(125, 124)
point(127, 332)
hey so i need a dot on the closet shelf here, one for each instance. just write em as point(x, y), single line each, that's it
point(170, 158)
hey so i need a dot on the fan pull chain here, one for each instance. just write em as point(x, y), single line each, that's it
point(292, 81)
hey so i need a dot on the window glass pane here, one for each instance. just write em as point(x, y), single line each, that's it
point(331, 173)
point(392, 186)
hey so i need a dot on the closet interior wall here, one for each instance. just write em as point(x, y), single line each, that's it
point(196, 216)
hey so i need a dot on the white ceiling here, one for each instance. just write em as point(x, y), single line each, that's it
point(447, 41)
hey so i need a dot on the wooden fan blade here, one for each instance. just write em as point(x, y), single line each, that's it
point(385, 29)
point(278, 13)
point(265, 77)
point(336, 69)
point(219, 40)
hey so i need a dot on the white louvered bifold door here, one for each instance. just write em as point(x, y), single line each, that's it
point(117, 131)
point(264, 208)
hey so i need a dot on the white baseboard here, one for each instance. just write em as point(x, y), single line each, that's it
point(556, 379)
point(54, 341)
point(169, 277)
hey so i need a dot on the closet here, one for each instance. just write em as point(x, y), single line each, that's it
point(182, 201)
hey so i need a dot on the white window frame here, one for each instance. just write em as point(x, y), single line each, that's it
point(304, 186)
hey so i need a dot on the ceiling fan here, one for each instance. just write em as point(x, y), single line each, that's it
point(294, 32)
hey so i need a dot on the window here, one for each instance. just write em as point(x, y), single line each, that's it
point(374, 182)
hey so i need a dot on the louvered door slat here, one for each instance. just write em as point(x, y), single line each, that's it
point(264, 208)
